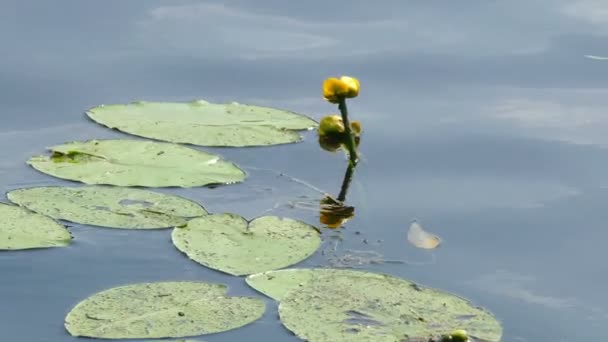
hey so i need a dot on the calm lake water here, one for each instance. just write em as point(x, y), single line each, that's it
point(485, 121)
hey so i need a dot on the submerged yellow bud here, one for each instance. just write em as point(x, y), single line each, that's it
point(334, 214)
point(334, 89)
point(332, 221)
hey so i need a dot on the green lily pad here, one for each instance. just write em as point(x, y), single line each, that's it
point(277, 284)
point(161, 310)
point(228, 243)
point(178, 341)
point(23, 229)
point(136, 163)
point(347, 305)
point(203, 123)
point(108, 206)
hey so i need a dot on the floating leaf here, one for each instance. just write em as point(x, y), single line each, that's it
point(175, 341)
point(23, 229)
point(179, 341)
point(108, 206)
point(276, 284)
point(136, 163)
point(421, 238)
point(159, 310)
point(203, 123)
point(228, 243)
point(361, 306)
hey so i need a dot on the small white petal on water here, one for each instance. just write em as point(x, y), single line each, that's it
point(597, 58)
point(418, 237)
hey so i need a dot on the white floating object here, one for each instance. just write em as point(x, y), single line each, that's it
point(420, 238)
point(597, 58)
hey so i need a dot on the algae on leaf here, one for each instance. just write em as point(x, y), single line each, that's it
point(348, 305)
point(23, 229)
point(228, 243)
point(161, 310)
point(136, 163)
point(203, 123)
point(108, 206)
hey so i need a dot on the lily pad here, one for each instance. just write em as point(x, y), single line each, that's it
point(136, 163)
point(203, 123)
point(179, 341)
point(23, 229)
point(161, 310)
point(348, 305)
point(108, 206)
point(228, 243)
point(276, 284)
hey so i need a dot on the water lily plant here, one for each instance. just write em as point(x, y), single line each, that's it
point(335, 130)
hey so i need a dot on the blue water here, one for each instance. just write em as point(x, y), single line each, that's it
point(485, 121)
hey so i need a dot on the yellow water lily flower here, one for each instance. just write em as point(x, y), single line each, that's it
point(330, 124)
point(333, 124)
point(335, 89)
point(332, 133)
point(353, 86)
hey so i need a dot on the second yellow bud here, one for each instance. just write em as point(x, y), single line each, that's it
point(335, 89)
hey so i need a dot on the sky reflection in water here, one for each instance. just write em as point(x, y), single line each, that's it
point(485, 121)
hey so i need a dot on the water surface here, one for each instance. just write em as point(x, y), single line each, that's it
point(485, 121)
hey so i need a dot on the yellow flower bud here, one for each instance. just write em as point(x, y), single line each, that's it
point(331, 124)
point(334, 89)
point(356, 127)
point(353, 86)
point(330, 143)
point(458, 336)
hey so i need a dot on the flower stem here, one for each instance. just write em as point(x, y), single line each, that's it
point(348, 177)
point(350, 138)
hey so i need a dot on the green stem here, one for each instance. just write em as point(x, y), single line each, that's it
point(350, 138)
point(348, 177)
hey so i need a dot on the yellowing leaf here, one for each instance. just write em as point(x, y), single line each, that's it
point(420, 238)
